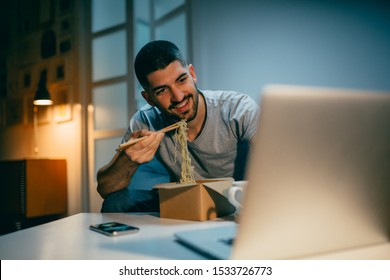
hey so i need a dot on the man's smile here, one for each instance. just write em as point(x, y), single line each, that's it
point(182, 106)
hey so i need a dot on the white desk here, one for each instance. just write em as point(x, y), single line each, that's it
point(70, 238)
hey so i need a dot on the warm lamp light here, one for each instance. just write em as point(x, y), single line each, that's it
point(42, 96)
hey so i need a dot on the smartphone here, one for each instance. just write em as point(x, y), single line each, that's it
point(113, 228)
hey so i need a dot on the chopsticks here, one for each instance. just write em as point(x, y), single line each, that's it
point(133, 141)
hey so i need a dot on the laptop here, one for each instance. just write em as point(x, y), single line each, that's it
point(318, 178)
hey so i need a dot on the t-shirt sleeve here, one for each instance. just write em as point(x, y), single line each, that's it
point(135, 124)
point(243, 117)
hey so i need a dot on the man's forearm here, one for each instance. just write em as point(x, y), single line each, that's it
point(116, 175)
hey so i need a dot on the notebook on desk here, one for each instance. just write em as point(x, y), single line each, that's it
point(318, 179)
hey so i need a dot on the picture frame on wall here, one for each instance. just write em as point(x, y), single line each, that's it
point(59, 69)
point(62, 98)
point(48, 43)
point(60, 72)
point(65, 26)
point(65, 45)
point(26, 79)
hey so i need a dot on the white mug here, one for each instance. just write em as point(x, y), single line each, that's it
point(235, 194)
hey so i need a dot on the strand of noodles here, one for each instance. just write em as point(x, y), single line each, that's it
point(187, 170)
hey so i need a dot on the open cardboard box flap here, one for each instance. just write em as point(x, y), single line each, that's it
point(203, 200)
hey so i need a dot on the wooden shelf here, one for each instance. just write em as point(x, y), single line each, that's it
point(32, 189)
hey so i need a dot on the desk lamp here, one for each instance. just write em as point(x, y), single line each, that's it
point(42, 98)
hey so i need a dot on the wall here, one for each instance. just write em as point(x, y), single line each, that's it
point(54, 141)
point(244, 45)
point(56, 138)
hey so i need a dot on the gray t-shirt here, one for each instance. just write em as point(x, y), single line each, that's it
point(221, 149)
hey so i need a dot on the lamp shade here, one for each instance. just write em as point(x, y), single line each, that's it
point(42, 96)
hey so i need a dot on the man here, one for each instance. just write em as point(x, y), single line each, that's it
point(220, 126)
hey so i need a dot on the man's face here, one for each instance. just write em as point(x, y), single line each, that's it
point(173, 90)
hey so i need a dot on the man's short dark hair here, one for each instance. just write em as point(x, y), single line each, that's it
point(155, 55)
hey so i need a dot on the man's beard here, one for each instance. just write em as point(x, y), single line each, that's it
point(195, 98)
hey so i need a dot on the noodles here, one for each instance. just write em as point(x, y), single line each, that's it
point(187, 170)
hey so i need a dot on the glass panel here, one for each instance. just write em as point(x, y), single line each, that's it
point(162, 7)
point(110, 103)
point(106, 14)
point(174, 30)
point(142, 10)
point(105, 150)
point(142, 35)
point(109, 57)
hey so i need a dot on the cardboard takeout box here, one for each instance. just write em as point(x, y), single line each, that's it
point(203, 200)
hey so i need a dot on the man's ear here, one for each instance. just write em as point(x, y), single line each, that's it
point(146, 96)
point(191, 69)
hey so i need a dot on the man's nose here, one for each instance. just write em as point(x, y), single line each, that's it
point(176, 94)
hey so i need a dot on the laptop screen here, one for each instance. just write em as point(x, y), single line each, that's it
point(319, 177)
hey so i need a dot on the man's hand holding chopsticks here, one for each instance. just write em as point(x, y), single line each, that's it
point(143, 151)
